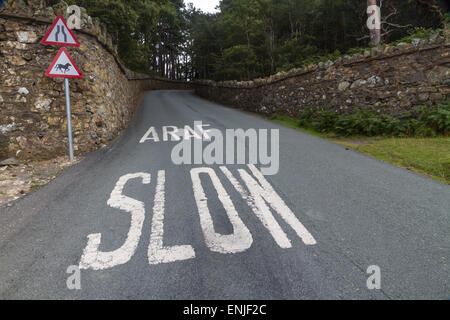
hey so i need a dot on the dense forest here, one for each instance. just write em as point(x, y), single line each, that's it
point(249, 38)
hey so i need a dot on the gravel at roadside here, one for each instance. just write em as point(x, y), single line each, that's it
point(17, 180)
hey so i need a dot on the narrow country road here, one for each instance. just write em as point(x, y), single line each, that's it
point(203, 244)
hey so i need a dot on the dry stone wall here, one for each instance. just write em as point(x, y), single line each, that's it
point(388, 79)
point(32, 107)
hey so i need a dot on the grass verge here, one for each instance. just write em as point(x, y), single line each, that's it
point(428, 156)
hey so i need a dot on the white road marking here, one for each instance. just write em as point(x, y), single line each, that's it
point(262, 192)
point(241, 239)
point(261, 211)
point(157, 252)
point(260, 197)
point(92, 258)
point(205, 133)
point(190, 133)
point(150, 135)
point(173, 133)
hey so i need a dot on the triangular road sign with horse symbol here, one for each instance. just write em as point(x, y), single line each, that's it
point(63, 66)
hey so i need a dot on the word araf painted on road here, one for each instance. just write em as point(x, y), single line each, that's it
point(63, 66)
point(173, 133)
point(60, 34)
point(259, 195)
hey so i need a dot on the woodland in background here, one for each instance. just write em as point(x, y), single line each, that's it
point(248, 38)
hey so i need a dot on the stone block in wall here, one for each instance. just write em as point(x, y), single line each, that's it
point(25, 36)
point(438, 75)
point(23, 7)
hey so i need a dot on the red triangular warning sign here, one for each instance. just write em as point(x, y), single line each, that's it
point(59, 34)
point(63, 66)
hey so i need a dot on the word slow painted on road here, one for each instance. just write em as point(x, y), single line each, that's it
point(260, 196)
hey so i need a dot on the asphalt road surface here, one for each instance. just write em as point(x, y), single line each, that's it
point(142, 227)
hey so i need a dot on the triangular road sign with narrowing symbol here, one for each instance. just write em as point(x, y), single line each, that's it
point(63, 66)
point(59, 34)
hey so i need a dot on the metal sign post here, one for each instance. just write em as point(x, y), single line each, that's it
point(69, 120)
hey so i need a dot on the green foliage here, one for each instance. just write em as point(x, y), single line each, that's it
point(447, 18)
point(436, 119)
point(148, 33)
point(238, 62)
point(423, 121)
point(430, 156)
point(295, 53)
point(283, 34)
point(415, 33)
point(247, 38)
